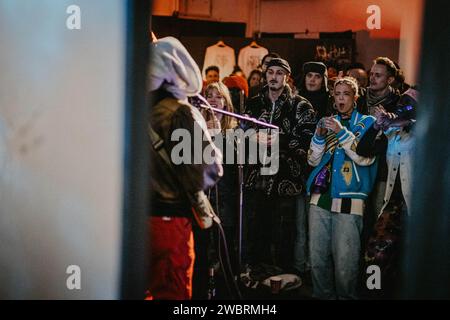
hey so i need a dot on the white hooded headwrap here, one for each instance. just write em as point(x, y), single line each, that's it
point(173, 69)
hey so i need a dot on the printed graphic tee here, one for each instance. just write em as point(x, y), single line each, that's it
point(221, 56)
point(250, 57)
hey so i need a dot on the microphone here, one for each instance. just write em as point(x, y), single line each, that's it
point(206, 105)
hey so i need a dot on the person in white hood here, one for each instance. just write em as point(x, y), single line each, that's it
point(177, 189)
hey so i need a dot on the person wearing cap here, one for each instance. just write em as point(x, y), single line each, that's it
point(173, 77)
point(275, 195)
point(314, 87)
point(253, 91)
point(384, 245)
point(266, 59)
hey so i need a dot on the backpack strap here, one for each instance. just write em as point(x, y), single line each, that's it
point(201, 207)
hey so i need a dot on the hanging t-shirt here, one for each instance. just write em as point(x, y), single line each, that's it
point(250, 58)
point(222, 57)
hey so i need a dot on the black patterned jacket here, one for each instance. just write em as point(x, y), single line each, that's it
point(296, 119)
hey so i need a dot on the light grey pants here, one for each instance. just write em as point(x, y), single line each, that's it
point(335, 244)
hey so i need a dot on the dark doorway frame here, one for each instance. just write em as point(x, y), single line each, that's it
point(427, 258)
point(134, 263)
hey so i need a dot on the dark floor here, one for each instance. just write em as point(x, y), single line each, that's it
point(207, 256)
point(262, 292)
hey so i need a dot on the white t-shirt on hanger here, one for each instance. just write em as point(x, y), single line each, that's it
point(221, 56)
point(250, 57)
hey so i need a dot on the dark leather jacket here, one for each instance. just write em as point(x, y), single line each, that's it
point(169, 186)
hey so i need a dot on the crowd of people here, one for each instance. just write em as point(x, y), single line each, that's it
point(338, 201)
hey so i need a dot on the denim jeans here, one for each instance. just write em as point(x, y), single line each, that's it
point(301, 261)
point(335, 244)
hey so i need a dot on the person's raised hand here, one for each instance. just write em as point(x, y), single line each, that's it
point(321, 131)
point(333, 124)
point(380, 115)
point(212, 121)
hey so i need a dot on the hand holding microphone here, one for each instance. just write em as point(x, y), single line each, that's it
point(211, 120)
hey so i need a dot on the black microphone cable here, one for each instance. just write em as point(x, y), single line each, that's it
point(227, 255)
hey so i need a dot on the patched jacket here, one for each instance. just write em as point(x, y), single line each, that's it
point(352, 176)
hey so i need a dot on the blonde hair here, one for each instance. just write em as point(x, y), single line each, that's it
point(350, 81)
point(226, 122)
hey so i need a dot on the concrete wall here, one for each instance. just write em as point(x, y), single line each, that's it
point(330, 16)
point(61, 133)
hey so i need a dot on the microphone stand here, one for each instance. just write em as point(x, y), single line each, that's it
point(241, 194)
point(207, 106)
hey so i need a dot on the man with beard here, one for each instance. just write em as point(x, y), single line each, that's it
point(379, 93)
point(275, 196)
point(253, 91)
point(385, 246)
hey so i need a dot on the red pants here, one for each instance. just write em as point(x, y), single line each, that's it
point(171, 258)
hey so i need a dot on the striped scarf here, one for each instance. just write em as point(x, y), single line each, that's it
point(373, 101)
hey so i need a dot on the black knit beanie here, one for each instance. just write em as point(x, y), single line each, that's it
point(317, 67)
point(278, 62)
